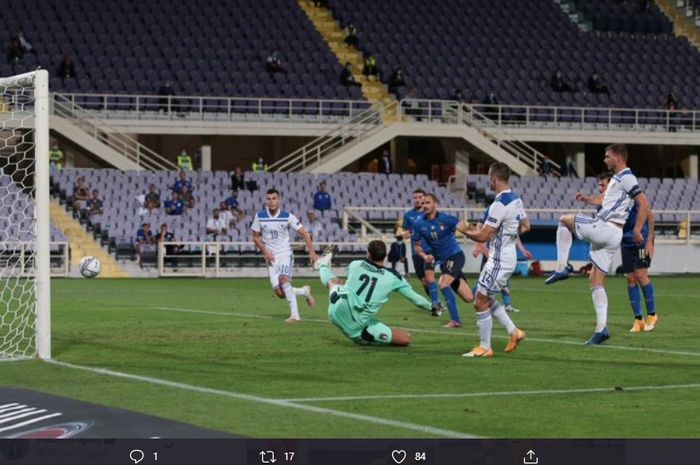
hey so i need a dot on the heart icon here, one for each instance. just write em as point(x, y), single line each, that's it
point(398, 455)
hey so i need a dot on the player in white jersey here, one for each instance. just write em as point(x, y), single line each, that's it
point(603, 232)
point(504, 222)
point(271, 234)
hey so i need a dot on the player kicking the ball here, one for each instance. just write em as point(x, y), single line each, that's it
point(355, 303)
point(604, 232)
point(271, 236)
point(504, 221)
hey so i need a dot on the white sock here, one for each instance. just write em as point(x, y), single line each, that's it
point(485, 325)
point(564, 241)
point(600, 302)
point(498, 311)
point(291, 300)
point(300, 291)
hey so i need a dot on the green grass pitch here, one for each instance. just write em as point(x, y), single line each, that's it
point(241, 369)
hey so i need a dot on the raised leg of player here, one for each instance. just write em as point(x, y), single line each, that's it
point(463, 290)
point(305, 292)
point(564, 240)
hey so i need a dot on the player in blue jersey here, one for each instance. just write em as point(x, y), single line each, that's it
point(437, 229)
point(424, 271)
point(603, 232)
point(504, 221)
point(636, 259)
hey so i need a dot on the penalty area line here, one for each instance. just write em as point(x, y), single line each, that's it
point(543, 392)
point(439, 432)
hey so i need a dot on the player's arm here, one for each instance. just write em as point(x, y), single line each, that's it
point(589, 199)
point(309, 243)
point(428, 258)
point(651, 219)
point(407, 291)
point(483, 234)
point(521, 247)
point(257, 239)
point(643, 213)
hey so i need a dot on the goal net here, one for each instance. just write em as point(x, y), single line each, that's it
point(24, 217)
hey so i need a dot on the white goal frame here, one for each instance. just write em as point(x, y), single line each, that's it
point(39, 81)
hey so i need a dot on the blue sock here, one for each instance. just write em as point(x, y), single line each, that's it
point(451, 303)
point(433, 290)
point(649, 299)
point(636, 301)
point(506, 297)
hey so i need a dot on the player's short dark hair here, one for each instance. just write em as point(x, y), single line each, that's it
point(419, 191)
point(618, 149)
point(377, 251)
point(432, 196)
point(605, 175)
point(500, 170)
point(273, 191)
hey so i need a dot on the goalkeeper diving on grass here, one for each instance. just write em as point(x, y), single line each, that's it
point(354, 304)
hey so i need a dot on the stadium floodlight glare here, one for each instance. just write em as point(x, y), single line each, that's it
point(25, 312)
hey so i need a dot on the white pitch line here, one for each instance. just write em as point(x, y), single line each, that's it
point(28, 413)
point(498, 394)
point(17, 412)
point(29, 422)
point(448, 332)
point(439, 432)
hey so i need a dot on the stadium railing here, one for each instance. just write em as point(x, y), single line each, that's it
point(156, 107)
point(20, 256)
point(553, 117)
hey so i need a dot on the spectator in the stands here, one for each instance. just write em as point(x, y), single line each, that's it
point(81, 191)
point(227, 215)
point(174, 205)
point(546, 169)
point(182, 182)
point(184, 161)
point(187, 197)
point(14, 52)
point(144, 238)
point(397, 253)
point(273, 64)
point(385, 163)
point(260, 165)
point(371, 69)
point(457, 95)
point(27, 46)
point(346, 76)
point(596, 86)
point(570, 167)
point(216, 226)
point(166, 92)
point(66, 70)
point(671, 102)
point(559, 84)
point(490, 99)
point(350, 34)
point(56, 157)
point(152, 198)
point(322, 199)
point(397, 80)
point(94, 205)
point(412, 107)
point(315, 227)
point(233, 206)
point(171, 250)
point(237, 179)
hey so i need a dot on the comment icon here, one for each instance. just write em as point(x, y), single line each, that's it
point(136, 455)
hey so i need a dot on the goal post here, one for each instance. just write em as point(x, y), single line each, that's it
point(25, 231)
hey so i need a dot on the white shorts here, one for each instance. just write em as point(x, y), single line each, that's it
point(605, 239)
point(283, 265)
point(494, 276)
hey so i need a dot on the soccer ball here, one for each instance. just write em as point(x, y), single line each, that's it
point(89, 267)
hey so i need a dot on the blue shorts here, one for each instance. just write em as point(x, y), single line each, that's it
point(453, 265)
point(634, 258)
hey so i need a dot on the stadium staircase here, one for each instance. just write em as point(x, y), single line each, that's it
point(99, 138)
point(364, 132)
point(332, 33)
point(82, 244)
point(683, 25)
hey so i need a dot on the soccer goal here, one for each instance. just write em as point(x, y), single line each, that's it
point(25, 304)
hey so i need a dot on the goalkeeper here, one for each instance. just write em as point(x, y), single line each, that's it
point(354, 305)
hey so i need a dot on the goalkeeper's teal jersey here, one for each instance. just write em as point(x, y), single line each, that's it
point(368, 286)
